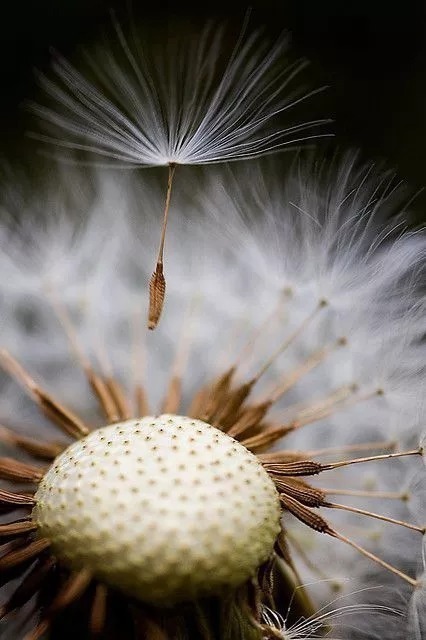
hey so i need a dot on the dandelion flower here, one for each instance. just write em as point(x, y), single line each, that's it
point(207, 472)
point(176, 101)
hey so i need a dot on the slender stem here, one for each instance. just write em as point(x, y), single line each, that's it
point(172, 168)
point(375, 559)
point(377, 516)
point(385, 456)
point(288, 341)
point(267, 323)
point(359, 493)
point(303, 369)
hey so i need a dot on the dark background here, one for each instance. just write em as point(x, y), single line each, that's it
point(372, 54)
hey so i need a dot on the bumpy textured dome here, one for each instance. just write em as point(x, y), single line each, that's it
point(166, 508)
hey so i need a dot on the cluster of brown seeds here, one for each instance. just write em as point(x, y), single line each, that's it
point(163, 509)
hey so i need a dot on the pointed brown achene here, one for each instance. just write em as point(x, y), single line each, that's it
point(157, 285)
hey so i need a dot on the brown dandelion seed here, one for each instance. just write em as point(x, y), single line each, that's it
point(157, 285)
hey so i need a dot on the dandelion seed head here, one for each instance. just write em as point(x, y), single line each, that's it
point(316, 374)
point(165, 508)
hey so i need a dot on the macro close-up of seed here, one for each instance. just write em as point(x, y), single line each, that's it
point(212, 367)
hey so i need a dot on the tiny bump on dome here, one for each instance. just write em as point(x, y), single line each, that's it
point(131, 525)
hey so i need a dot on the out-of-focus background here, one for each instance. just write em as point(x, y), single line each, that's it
point(371, 53)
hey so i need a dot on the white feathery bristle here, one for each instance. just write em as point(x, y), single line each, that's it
point(175, 100)
point(334, 621)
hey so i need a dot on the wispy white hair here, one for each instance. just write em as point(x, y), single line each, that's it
point(178, 99)
point(249, 251)
point(333, 621)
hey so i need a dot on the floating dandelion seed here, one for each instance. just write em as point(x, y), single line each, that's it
point(178, 103)
point(182, 521)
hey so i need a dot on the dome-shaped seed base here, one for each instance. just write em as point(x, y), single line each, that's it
point(165, 508)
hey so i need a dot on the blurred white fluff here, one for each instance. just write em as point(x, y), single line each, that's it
point(177, 99)
point(333, 621)
point(238, 243)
